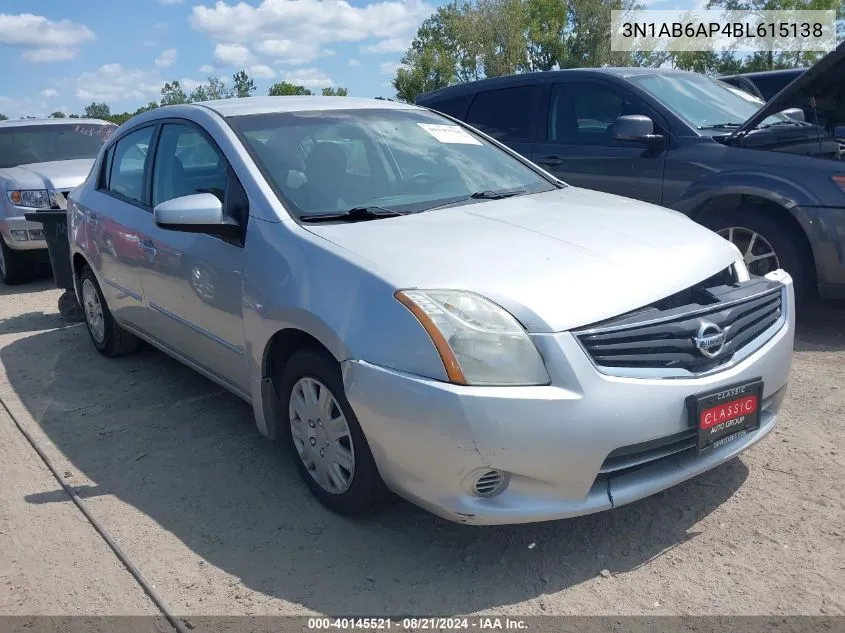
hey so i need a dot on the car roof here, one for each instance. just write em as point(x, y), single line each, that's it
point(768, 73)
point(68, 121)
point(550, 75)
point(269, 105)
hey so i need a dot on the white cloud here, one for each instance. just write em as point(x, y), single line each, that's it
point(354, 63)
point(43, 40)
point(261, 72)
point(207, 69)
point(309, 77)
point(189, 85)
point(167, 58)
point(388, 68)
point(14, 107)
point(112, 82)
point(46, 55)
point(49, 93)
point(297, 31)
point(232, 54)
point(391, 45)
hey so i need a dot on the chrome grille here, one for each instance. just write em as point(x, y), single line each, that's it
point(653, 339)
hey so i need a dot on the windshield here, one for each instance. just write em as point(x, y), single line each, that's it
point(702, 101)
point(325, 162)
point(21, 145)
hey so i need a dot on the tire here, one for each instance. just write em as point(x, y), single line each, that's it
point(365, 491)
point(791, 254)
point(15, 267)
point(108, 337)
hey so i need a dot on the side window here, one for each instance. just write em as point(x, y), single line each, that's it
point(507, 114)
point(454, 106)
point(105, 169)
point(126, 173)
point(585, 113)
point(187, 163)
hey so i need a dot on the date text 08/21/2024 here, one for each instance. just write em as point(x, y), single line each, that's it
point(418, 624)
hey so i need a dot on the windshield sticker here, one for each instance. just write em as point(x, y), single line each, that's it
point(450, 134)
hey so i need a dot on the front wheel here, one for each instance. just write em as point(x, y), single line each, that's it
point(325, 439)
point(766, 245)
point(15, 266)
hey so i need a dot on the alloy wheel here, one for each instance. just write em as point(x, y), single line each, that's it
point(93, 311)
point(757, 252)
point(321, 435)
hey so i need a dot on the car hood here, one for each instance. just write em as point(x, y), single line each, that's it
point(556, 260)
point(823, 78)
point(58, 175)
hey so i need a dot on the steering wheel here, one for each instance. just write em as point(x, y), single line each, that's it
point(424, 179)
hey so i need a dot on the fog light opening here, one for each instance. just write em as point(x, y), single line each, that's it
point(490, 483)
point(19, 235)
point(36, 234)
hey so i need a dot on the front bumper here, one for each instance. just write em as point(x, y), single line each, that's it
point(431, 440)
point(20, 223)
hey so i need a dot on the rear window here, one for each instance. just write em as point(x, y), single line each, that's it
point(22, 145)
point(508, 114)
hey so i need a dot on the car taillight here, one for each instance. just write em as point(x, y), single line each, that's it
point(839, 181)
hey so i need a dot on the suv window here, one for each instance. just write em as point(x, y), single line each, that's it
point(506, 114)
point(126, 170)
point(453, 106)
point(187, 163)
point(585, 113)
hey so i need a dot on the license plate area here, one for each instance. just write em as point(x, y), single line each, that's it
point(726, 414)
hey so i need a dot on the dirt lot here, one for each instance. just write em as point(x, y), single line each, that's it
point(217, 519)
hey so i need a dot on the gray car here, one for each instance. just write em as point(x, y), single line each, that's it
point(40, 162)
point(412, 307)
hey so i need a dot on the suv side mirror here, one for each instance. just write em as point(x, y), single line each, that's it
point(635, 127)
point(796, 114)
point(196, 213)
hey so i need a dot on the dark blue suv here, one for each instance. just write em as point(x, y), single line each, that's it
point(765, 176)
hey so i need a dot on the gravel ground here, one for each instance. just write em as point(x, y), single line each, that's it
point(217, 519)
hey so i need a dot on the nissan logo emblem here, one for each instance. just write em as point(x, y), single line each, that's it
point(710, 339)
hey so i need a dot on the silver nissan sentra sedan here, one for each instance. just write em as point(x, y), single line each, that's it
point(412, 307)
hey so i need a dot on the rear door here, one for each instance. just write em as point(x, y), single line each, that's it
point(578, 146)
point(116, 217)
point(510, 115)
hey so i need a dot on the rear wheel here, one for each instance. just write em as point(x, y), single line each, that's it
point(15, 266)
point(766, 245)
point(324, 437)
point(108, 337)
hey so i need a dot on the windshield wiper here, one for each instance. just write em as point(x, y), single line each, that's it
point(718, 126)
point(480, 195)
point(355, 214)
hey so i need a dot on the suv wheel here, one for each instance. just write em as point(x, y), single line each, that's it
point(15, 267)
point(108, 337)
point(325, 439)
point(766, 245)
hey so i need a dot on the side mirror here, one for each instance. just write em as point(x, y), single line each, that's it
point(839, 131)
point(635, 127)
point(796, 114)
point(197, 213)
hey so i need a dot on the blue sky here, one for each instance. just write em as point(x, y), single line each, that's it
point(62, 55)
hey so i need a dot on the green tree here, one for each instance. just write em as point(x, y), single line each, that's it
point(284, 89)
point(173, 94)
point(213, 90)
point(335, 92)
point(97, 111)
point(244, 85)
point(3, 117)
point(58, 115)
point(152, 105)
point(120, 119)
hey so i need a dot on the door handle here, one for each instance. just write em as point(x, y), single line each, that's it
point(148, 247)
point(93, 219)
point(550, 161)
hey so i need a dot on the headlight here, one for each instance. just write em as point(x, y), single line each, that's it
point(34, 198)
point(479, 342)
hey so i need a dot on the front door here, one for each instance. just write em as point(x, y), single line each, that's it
point(192, 281)
point(579, 147)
